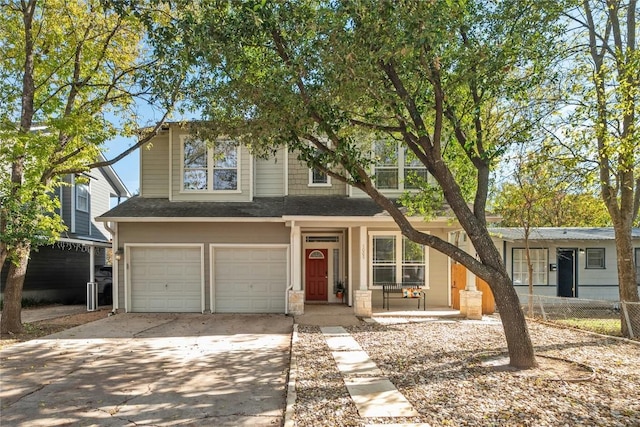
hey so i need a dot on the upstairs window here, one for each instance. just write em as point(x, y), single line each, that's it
point(225, 167)
point(318, 178)
point(397, 168)
point(207, 167)
point(386, 166)
point(82, 197)
point(195, 172)
point(414, 171)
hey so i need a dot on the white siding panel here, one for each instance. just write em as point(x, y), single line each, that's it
point(438, 271)
point(250, 280)
point(269, 175)
point(166, 279)
point(155, 167)
point(100, 200)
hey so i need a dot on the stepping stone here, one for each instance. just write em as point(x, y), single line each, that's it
point(356, 363)
point(333, 330)
point(378, 397)
point(340, 343)
point(338, 339)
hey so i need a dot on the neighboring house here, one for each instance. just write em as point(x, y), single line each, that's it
point(60, 272)
point(216, 229)
point(567, 262)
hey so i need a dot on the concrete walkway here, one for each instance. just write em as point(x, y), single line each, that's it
point(373, 394)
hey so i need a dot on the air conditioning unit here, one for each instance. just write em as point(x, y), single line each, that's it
point(92, 296)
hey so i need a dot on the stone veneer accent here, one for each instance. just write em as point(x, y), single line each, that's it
point(296, 303)
point(471, 304)
point(362, 303)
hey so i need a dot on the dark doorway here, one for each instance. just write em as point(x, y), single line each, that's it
point(567, 286)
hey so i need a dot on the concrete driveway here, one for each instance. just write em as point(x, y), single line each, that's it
point(151, 369)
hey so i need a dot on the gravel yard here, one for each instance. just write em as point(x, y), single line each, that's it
point(440, 367)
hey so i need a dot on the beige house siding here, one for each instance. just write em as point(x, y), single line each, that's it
point(244, 193)
point(196, 233)
point(270, 175)
point(438, 295)
point(437, 268)
point(299, 181)
point(154, 167)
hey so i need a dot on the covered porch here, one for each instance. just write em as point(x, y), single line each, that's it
point(326, 314)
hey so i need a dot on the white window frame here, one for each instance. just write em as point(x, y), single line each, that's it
point(399, 263)
point(600, 265)
point(183, 168)
point(520, 271)
point(81, 197)
point(210, 169)
point(327, 182)
point(400, 167)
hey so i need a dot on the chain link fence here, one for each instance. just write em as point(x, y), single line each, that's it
point(605, 317)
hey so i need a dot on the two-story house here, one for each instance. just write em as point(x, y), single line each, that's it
point(60, 272)
point(216, 229)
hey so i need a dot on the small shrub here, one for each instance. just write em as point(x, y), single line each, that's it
point(30, 302)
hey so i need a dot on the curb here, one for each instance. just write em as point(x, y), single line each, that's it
point(291, 384)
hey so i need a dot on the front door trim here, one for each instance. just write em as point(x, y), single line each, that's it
point(567, 274)
point(316, 275)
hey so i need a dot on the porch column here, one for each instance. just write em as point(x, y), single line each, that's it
point(471, 299)
point(362, 243)
point(362, 295)
point(296, 257)
point(296, 294)
point(92, 263)
point(92, 286)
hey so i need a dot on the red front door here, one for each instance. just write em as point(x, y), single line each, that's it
point(316, 271)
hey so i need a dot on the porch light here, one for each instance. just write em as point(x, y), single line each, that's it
point(118, 254)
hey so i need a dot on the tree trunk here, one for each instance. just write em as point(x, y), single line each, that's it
point(521, 354)
point(627, 281)
point(3, 245)
point(12, 303)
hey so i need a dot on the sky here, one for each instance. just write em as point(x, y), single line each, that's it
point(128, 169)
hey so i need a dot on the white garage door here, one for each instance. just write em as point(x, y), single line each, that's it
point(166, 279)
point(250, 280)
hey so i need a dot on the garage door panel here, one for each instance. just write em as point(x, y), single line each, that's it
point(250, 280)
point(166, 279)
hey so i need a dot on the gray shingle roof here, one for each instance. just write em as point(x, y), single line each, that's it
point(558, 233)
point(262, 207)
